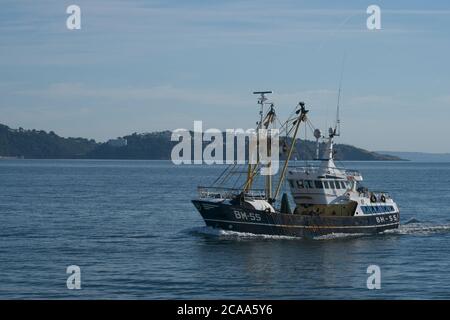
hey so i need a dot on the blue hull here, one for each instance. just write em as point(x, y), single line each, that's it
point(236, 218)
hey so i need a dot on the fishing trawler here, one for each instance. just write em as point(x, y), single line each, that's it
point(328, 199)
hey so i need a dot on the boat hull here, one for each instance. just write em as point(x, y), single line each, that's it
point(235, 218)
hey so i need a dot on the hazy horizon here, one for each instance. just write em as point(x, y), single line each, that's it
point(143, 66)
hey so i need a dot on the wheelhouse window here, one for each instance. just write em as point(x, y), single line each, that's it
point(343, 185)
point(331, 184)
point(291, 183)
point(318, 184)
point(376, 209)
point(337, 184)
point(325, 184)
point(309, 184)
point(300, 184)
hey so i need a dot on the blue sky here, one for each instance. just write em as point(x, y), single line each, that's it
point(153, 65)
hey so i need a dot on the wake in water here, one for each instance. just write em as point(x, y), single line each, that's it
point(411, 227)
point(226, 234)
point(234, 235)
point(416, 227)
point(333, 236)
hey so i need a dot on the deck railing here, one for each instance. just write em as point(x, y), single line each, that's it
point(312, 168)
point(229, 193)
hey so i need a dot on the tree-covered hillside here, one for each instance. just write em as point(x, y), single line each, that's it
point(39, 144)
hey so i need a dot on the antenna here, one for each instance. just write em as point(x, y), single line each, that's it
point(337, 128)
point(261, 101)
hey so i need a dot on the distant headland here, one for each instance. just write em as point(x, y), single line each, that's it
point(39, 144)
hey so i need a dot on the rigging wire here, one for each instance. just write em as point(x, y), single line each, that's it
point(221, 174)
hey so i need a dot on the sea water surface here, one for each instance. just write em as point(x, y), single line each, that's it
point(131, 228)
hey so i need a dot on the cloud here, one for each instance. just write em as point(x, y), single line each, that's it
point(425, 12)
point(173, 94)
point(443, 100)
point(159, 26)
point(65, 91)
point(375, 100)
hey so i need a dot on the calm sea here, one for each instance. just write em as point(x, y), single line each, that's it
point(130, 227)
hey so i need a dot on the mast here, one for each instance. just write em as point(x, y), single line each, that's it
point(317, 135)
point(261, 101)
point(329, 156)
point(301, 118)
point(269, 118)
point(336, 132)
